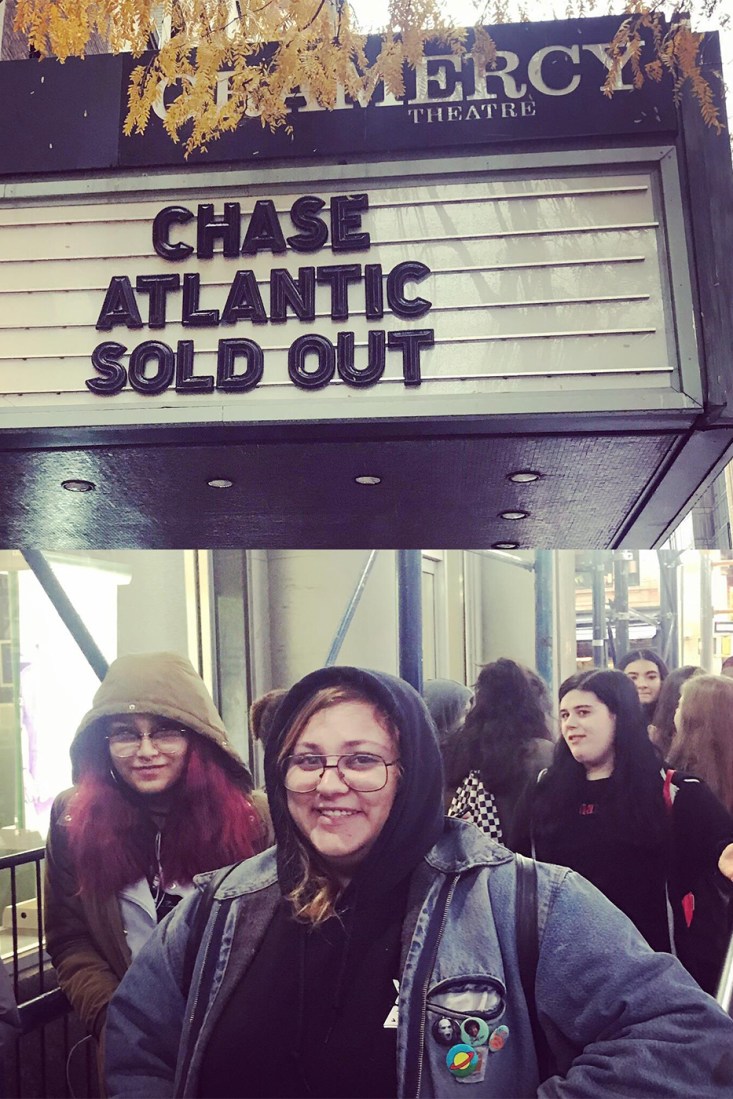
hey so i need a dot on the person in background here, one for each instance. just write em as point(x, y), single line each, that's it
point(726, 667)
point(645, 837)
point(159, 795)
point(448, 702)
point(703, 742)
point(703, 747)
point(505, 742)
point(647, 671)
point(662, 731)
point(381, 932)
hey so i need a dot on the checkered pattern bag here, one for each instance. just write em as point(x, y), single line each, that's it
point(472, 801)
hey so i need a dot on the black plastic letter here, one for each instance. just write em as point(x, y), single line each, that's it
point(300, 295)
point(229, 351)
point(119, 306)
point(346, 213)
point(170, 215)
point(374, 369)
point(210, 226)
point(192, 316)
point(312, 344)
point(244, 302)
point(373, 291)
point(339, 275)
point(157, 286)
point(144, 353)
point(186, 380)
point(304, 215)
point(263, 232)
point(409, 271)
point(411, 344)
point(105, 359)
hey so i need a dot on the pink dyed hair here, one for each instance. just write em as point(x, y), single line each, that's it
point(211, 823)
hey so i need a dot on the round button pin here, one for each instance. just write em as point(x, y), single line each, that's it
point(462, 1060)
point(445, 1031)
point(498, 1038)
point(474, 1031)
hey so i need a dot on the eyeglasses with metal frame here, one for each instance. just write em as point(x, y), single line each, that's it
point(169, 740)
point(361, 771)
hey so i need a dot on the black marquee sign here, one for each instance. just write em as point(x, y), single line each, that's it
point(546, 85)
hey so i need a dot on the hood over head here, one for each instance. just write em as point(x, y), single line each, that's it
point(416, 818)
point(446, 700)
point(163, 684)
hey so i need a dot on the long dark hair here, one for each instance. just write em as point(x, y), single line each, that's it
point(638, 811)
point(211, 823)
point(510, 708)
point(663, 729)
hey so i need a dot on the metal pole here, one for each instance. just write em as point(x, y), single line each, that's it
point(669, 606)
point(544, 613)
point(706, 611)
point(68, 614)
point(621, 600)
point(599, 612)
point(350, 611)
point(409, 599)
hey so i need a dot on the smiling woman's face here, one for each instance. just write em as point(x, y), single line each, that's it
point(148, 768)
point(343, 824)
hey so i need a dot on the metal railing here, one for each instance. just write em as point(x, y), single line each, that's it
point(53, 1056)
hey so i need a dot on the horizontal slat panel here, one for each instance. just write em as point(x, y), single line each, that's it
point(443, 255)
point(382, 194)
point(535, 283)
point(503, 359)
point(449, 325)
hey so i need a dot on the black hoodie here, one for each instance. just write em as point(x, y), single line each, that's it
point(322, 994)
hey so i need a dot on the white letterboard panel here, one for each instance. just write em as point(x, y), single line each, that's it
point(554, 292)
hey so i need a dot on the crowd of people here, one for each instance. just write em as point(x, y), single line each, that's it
point(337, 934)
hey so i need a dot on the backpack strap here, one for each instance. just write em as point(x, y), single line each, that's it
point(528, 954)
point(200, 919)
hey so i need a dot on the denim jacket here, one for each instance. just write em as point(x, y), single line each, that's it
point(620, 1019)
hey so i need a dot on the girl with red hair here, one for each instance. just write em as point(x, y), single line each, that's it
point(159, 795)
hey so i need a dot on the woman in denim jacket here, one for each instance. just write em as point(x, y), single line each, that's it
point(373, 952)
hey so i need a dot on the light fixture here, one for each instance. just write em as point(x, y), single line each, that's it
point(368, 479)
point(514, 514)
point(523, 476)
point(505, 545)
point(220, 482)
point(77, 485)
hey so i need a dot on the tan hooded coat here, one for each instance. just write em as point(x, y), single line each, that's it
point(85, 937)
